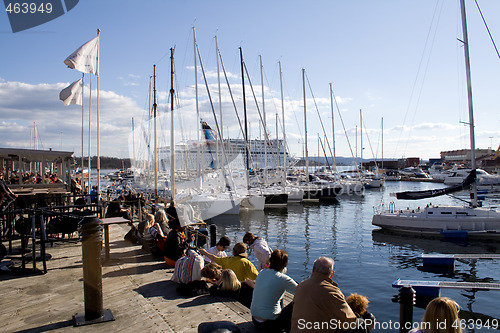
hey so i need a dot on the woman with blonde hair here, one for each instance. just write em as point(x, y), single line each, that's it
point(229, 286)
point(153, 239)
point(441, 316)
point(161, 219)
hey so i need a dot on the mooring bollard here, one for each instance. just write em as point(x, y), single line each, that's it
point(213, 235)
point(406, 300)
point(91, 233)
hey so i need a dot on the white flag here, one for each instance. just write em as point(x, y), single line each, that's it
point(72, 94)
point(85, 58)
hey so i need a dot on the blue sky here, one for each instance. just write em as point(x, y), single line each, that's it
point(399, 60)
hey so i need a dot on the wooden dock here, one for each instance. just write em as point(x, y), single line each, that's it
point(136, 288)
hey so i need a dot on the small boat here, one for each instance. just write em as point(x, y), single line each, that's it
point(446, 221)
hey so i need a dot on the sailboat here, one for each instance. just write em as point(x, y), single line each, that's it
point(447, 221)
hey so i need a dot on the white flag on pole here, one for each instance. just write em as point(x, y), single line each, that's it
point(84, 58)
point(72, 94)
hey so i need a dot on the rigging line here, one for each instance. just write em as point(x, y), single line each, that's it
point(276, 108)
point(266, 137)
point(226, 178)
point(416, 79)
point(319, 116)
point(343, 125)
point(488, 29)
point(292, 104)
point(264, 125)
point(422, 84)
point(369, 142)
point(247, 144)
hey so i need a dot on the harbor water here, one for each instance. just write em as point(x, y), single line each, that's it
point(368, 261)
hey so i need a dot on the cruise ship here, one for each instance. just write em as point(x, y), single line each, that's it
point(211, 154)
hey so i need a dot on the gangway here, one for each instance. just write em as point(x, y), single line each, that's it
point(433, 288)
point(449, 259)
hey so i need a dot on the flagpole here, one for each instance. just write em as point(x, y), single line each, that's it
point(82, 181)
point(98, 141)
point(90, 131)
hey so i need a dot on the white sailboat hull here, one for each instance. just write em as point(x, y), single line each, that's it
point(253, 202)
point(207, 206)
point(442, 221)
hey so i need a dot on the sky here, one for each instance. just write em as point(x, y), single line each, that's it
point(400, 61)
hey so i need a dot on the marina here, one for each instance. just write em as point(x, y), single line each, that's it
point(341, 230)
point(215, 158)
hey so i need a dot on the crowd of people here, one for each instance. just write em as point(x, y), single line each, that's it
point(32, 178)
point(317, 301)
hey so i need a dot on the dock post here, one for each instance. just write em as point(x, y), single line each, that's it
point(406, 299)
point(91, 233)
point(213, 235)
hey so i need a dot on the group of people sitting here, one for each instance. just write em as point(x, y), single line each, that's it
point(33, 178)
point(262, 288)
point(318, 303)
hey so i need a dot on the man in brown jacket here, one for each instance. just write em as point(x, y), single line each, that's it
point(319, 305)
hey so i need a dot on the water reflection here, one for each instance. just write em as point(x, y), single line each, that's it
point(307, 237)
point(403, 251)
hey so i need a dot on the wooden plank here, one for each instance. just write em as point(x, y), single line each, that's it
point(136, 288)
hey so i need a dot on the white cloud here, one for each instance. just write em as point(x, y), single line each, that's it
point(58, 126)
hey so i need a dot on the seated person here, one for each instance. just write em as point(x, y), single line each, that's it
point(154, 241)
point(115, 209)
point(188, 268)
point(93, 194)
point(209, 273)
point(229, 286)
point(239, 263)
point(176, 243)
point(219, 249)
point(261, 250)
point(161, 219)
point(270, 286)
point(359, 305)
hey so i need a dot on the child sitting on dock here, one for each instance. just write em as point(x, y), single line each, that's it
point(219, 249)
point(210, 273)
point(242, 267)
point(261, 250)
point(359, 305)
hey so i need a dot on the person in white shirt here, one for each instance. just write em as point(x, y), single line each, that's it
point(260, 248)
point(219, 249)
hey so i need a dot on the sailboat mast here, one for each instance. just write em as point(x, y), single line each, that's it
point(198, 171)
point(305, 124)
point(264, 125)
point(221, 139)
point(247, 142)
point(361, 139)
point(285, 157)
point(218, 84)
point(469, 98)
point(333, 130)
point(172, 139)
point(382, 139)
point(155, 159)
